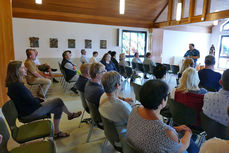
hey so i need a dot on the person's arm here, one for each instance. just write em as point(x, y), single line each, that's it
point(70, 66)
point(197, 55)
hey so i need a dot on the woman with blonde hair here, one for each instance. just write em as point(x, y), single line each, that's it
point(188, 62)
point(188, 92)
point(122, 61)
point(29, 107)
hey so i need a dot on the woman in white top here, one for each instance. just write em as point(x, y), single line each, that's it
point(112, 106)
point(93, 58)
point(122, 61)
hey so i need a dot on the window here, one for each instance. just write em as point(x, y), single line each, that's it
point(224, 52)
point(226, 26)
point(132, 42)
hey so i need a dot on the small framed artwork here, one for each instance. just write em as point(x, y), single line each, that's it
point(88, 43)
point(71, 43)
point(53, 42)
point(34, 41)
point(103, 44)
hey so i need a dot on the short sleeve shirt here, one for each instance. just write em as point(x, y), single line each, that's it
point(31, 68)
point(194, 52)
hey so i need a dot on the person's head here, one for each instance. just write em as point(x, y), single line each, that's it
point(31, 54)
point(106, 57)
point(188, 62)
point(111, 81)
point(113, 54)
point(159, 71)
point(15, 72)
point(84, 69)
point(136, 55)
point(225, 80)
point(153, 94)
point(122, 56)
point(83, 51)
point(209, 60)
point(95, 54)
point(109, 52)
point(148, 55)
point(191, 46)
point(97, 70)
point(67, 54)
point(189, 80)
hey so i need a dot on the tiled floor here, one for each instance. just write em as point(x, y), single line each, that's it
point(76, 143)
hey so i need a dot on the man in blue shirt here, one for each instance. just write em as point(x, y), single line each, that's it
point(192, 53)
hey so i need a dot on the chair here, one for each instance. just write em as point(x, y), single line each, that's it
point(141, 68)
point(38, 84)
point(135, 65)
point(129, 71)
point(41, 146)
point(95, 118)
point(126, 146)
point(62, 78)
point(84, 104)
point(26, 132)
point(128, 62)
point(213, 128)
point(136, 88)
point(167, 67)
point(122, 71)
point(112, 133)
point(175, 69)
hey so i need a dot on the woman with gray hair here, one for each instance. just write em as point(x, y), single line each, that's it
point(112, 106)
point(122, 61)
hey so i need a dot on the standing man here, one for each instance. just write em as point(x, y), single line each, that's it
point(192, 53)
point(34, 76)
point(83, 58)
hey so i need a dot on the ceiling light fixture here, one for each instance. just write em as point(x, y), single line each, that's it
point(122, 7)
point(38, 1)
point(179, 8)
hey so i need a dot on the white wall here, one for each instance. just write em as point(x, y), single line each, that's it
point(175, 44)
point(44, 29)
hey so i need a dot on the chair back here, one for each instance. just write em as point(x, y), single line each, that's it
point(111, 132)
point(83, 100)
point(136, 88)
point(10, 112)
point(95, 115)
point(146, 68)
point(175, 69)
point(5, 133)
point(128, 62)
point(141, 68)
point(213, 128)
point(182, 114)
point(129, 71)
point(167, 67)
point(208, 88)
point(122, 70)
point(134, 65)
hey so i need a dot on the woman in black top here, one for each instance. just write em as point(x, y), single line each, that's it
point(32, 108)
point(106, 61)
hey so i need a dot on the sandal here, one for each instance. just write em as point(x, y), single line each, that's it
point(60, 135)
point(74, 115)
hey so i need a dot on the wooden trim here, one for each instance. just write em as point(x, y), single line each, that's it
point(205, 9)
point(191, 10)
point(160, 13)
point(182, 11)
point(170, 10)
point(217, 15)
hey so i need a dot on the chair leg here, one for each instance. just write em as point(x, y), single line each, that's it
point(31, 88)
point(104, 145)
point(90, 131)
point(42, 91)
point(82, 118)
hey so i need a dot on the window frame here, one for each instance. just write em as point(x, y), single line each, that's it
point(145, 32)
point(227, 22)
point(220, 48)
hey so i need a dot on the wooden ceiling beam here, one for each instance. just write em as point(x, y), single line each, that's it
point(205, 10)
point(170, 10)
point(191, 10)
point(160, 12)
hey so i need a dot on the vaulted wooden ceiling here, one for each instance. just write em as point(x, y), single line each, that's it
point(138, 13)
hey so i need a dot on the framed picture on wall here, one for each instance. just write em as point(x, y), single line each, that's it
point(53, 42)
point(34, 42)
point(71, 43)
point(103, 44)
point(88, 43)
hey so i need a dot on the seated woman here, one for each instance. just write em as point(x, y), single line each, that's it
point(32, 108)
point(147, 132)
point(188, 62)
point(122, 61)
point(106, 61)
point(188, 92)
point(110, 102)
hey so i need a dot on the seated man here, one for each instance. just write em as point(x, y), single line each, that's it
point(136, 58)
point(209, 79)
point(93, 58)
point(94, 89)
point(44, 67)
point(148, 61)
point(83, 78)
point(111, 103)
point(69, 68)
point(83, 58)
point(34, 76)
point(216, 103)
